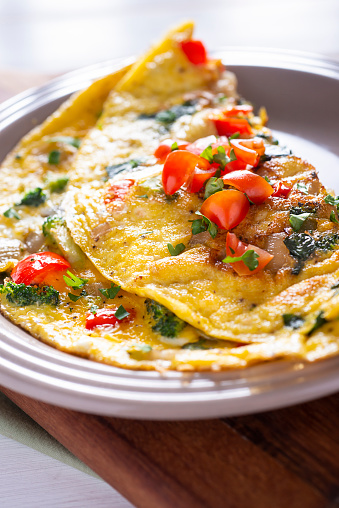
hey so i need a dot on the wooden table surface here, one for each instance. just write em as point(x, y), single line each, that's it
point(285, 458)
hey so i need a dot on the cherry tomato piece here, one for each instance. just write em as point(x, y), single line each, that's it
point(248, 150)
point(104, 317)
point(200, 144)
point(256, 187)
point(281, 190)
point(235, 248)
point(35, 268)
point(118, 190)
point(243, 109)
point(178, 167)
point(166, 147)
point(226, 126)
point(226, 208)
point(199, 177)
point(195, 51)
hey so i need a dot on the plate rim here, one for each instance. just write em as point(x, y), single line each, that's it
point(147, 396)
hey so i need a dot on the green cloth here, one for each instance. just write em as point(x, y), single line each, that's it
point(15, 424)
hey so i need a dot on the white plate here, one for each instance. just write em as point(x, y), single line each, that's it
point(301, 96)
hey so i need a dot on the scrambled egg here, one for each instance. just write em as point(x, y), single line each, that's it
point(106, 135)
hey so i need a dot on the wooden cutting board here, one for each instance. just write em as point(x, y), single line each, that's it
point(281, 459)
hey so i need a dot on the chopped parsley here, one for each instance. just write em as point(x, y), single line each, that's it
point(268, 180)
point(204, 224)
point(293, 320)
point(333, 218)
point(34, 197)
point(169, 116)
point(297, 221)
point(174, 146)
point(54, 157)
point(93, 309)
point(331, 200)
point(213, 185)
point(73, 281)
point(175, 251)
point(58, 185)
point(199, 344)
point(115, 169)
point(11, 213)
point(121, 313)
point(319, 321)
point(69, 140)
point(249, 258)
point(219, 158)
point(75, 298)
point(111, 292)
point(301, 187)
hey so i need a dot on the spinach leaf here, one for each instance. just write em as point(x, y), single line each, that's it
point(300, 245)
point(293, 320)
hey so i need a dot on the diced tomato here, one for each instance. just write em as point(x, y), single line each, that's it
point(199, 177)
point(195, 51)
point(178, 167)
point(226, 208)
point(235, 248)
point(248, 150)
point(166, 147)
point(281, 190)
point(234, 166)
point(118, 190)
point(40, 268)
point(200, 144)
point(256, 187)
point(243, 109)
point(105, 317)
point(226, 126)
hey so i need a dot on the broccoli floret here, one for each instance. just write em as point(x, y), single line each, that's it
point(165, 322)
point(50, 223)
point(34, 197)
point(59, 237)
point(22, 295)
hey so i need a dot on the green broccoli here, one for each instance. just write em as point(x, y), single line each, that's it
point(58, 236)
point(165, 322)
point(22, 295)
point(34, 197)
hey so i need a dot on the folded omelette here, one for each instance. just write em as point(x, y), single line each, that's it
point(153, 222)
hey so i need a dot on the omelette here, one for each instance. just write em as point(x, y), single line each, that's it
point(153, 222)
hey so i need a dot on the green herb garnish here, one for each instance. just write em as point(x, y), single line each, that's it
point(333, 218)
point(11, 213)
point(331, 200)
point(297, 221)
point(204, 224)
point(302, 187)
point(213, 185)
point(115, 169)
point(69, 140)
point(58, 185)
point(54, 157)
point(121, 313)
point(319, 321)
point(178, 249)
point(250, 259)
point(174, 146)
point(169, 116)
point(93, 309)
point(74, 281)
point(111, 292)
point(293, 320)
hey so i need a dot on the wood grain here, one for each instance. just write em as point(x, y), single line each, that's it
point(272, 460)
